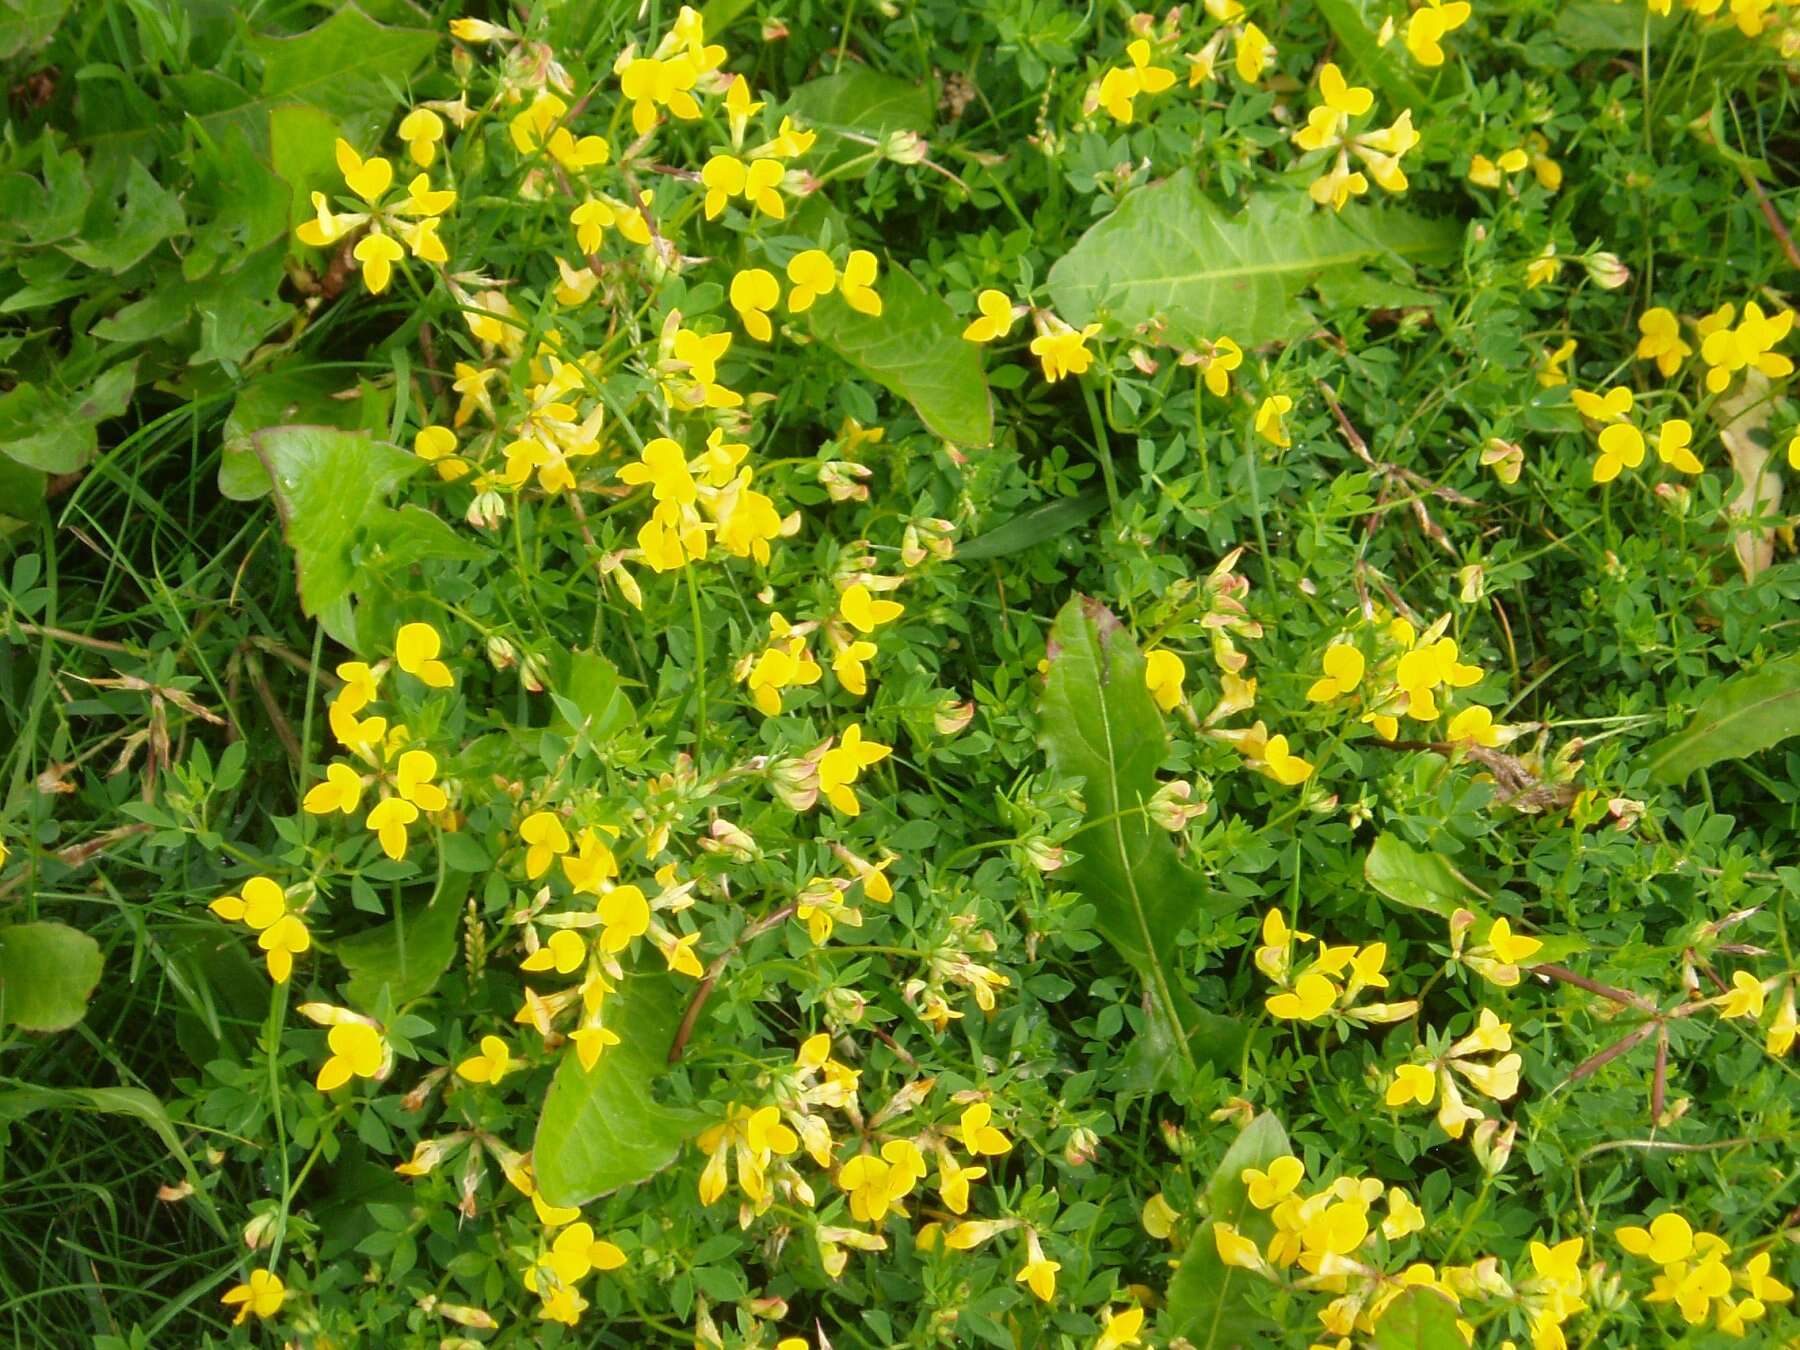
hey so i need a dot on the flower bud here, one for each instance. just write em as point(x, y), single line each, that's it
point(795, 783)
point(844, 481)
point(501, 654)
point(905, 147)
point(846, 1005)
point(1474, 583)
point(1044, 855)
point(1494, 1145)
point(732, 841)
point(260, 1231)
point(486, 511)
point(533, 673)
point(1159, 1217)
point(950, 717)
point(1606, 271)
point(1675, 497)
point(1175, 804)
point(1082, 1148)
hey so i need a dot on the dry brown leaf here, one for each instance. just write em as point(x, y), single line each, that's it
point(1744, 428)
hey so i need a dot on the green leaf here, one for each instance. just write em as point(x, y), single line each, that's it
point(408, 955)
point(602, 1129)
point(21, 497)
point(329, 487)
point(1169, 253)
point(146, 215)
point(47, 973)
point(592, 684)
point(1209, 1301)
point(348, 65)
point(25, 24)
point(413, 534)
point(55, 432)
point(1745, 715)
point(302, 147)
point(1599, 25)
point(1349, 20)
point(1099, 724)
point(310, 395)
point(1420, 1319)
point(863, 102)
point(1044, 521)
point(1418, 880)
point(915, 350)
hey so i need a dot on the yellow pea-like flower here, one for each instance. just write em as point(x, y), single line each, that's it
point(564, 952)
point(341, 791)
point(416, 648)
point(754, 292)
point(356, 1051)
point(1164, 672)
point(995, 317)
point(422, 129)
point(491, 1065)
point(812, 274)
point(388, 820)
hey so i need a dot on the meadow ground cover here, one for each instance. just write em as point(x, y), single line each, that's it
point(899, 673)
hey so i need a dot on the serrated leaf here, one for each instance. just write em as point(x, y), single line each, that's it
point(1209, 1301)
point(47, 973)
point(862, 101)
point(1100, 725)
point(145, 215)
point(346, 65)
point(603, 1128)
point(329, 485)
point(54, 432)
point(1744, 716)
point(409, 954)
point(1420, 1319)
point(1169, 253)
point(915, 350)
point(291, 395)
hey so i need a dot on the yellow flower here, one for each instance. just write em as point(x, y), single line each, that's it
point(1475, 724)
point(995, 320)
point(545, 839)
point(1342, 101)
point(1062, 350)
point(813, 274)
point(416, 648)
point(1268, 1188)
point(564, 952)
point(261, 905)
point(1403, 1216)
point(848, 666)
point(1163, 674)
point(540, 127)
point(1038, 1273)
point(1746, 997)
point(624, 914)
point(651, 84)
point(727, 176)
point(1253, 53)
point(1120, 1329)
point(1217, 360)
point(1343, 665)
point(1611, 405)
point(857, 285)
point(1284, 767)
point(1673, 439)
point(663, 465)
point(281, 942)
point(490, 1066)
point(260, 1297)
point(754, 292)
point(1785, 1027)
point(1121, 84)
point(1543, 268)
point(388, 821)
point(377, 253)
point(953, 1182)
point(1427, 26)
point(356, 1050)
point(422, 129)
point(863, 612)
point(1621, 447)
point(341, 791)
point(1310, 998)
point(840, 766)
point(1661, 341)
point(1668, 1241)
point(1558, 1266)
point(1268, 419)
point(1763, 1287)
point(1235, 1249)
point(1412, 1083)
point(979, 1135)
point(1555, 371)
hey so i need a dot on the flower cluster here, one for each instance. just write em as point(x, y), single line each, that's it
point(1327, 985)
point(1416, 676)
point(389, 223)
point(1622, 444)
point(1695, 1276)
point(280, 932)
point(1328, 127)
point(1432, 1078)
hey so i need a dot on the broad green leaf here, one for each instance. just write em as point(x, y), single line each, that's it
point(1420, 1319)
point(302, 147)
point(308, 395)
point(915, 350)
point(863, 102)
point(1099, 725)
point(591, 682)
point(412, 534)
point(1045, 521)
point(410, 953)
point(603, 1128)
point(329, 487)
point(1365, 58)
point(1598, 25)
point(145, 214)
point(21, 497)
point(348, 65)
point(1745, 715)
point(1418, 880)
point(47, 973)
point(1169, 253)
point(54, 432)
point(25, 24)
point(1209, 1301)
